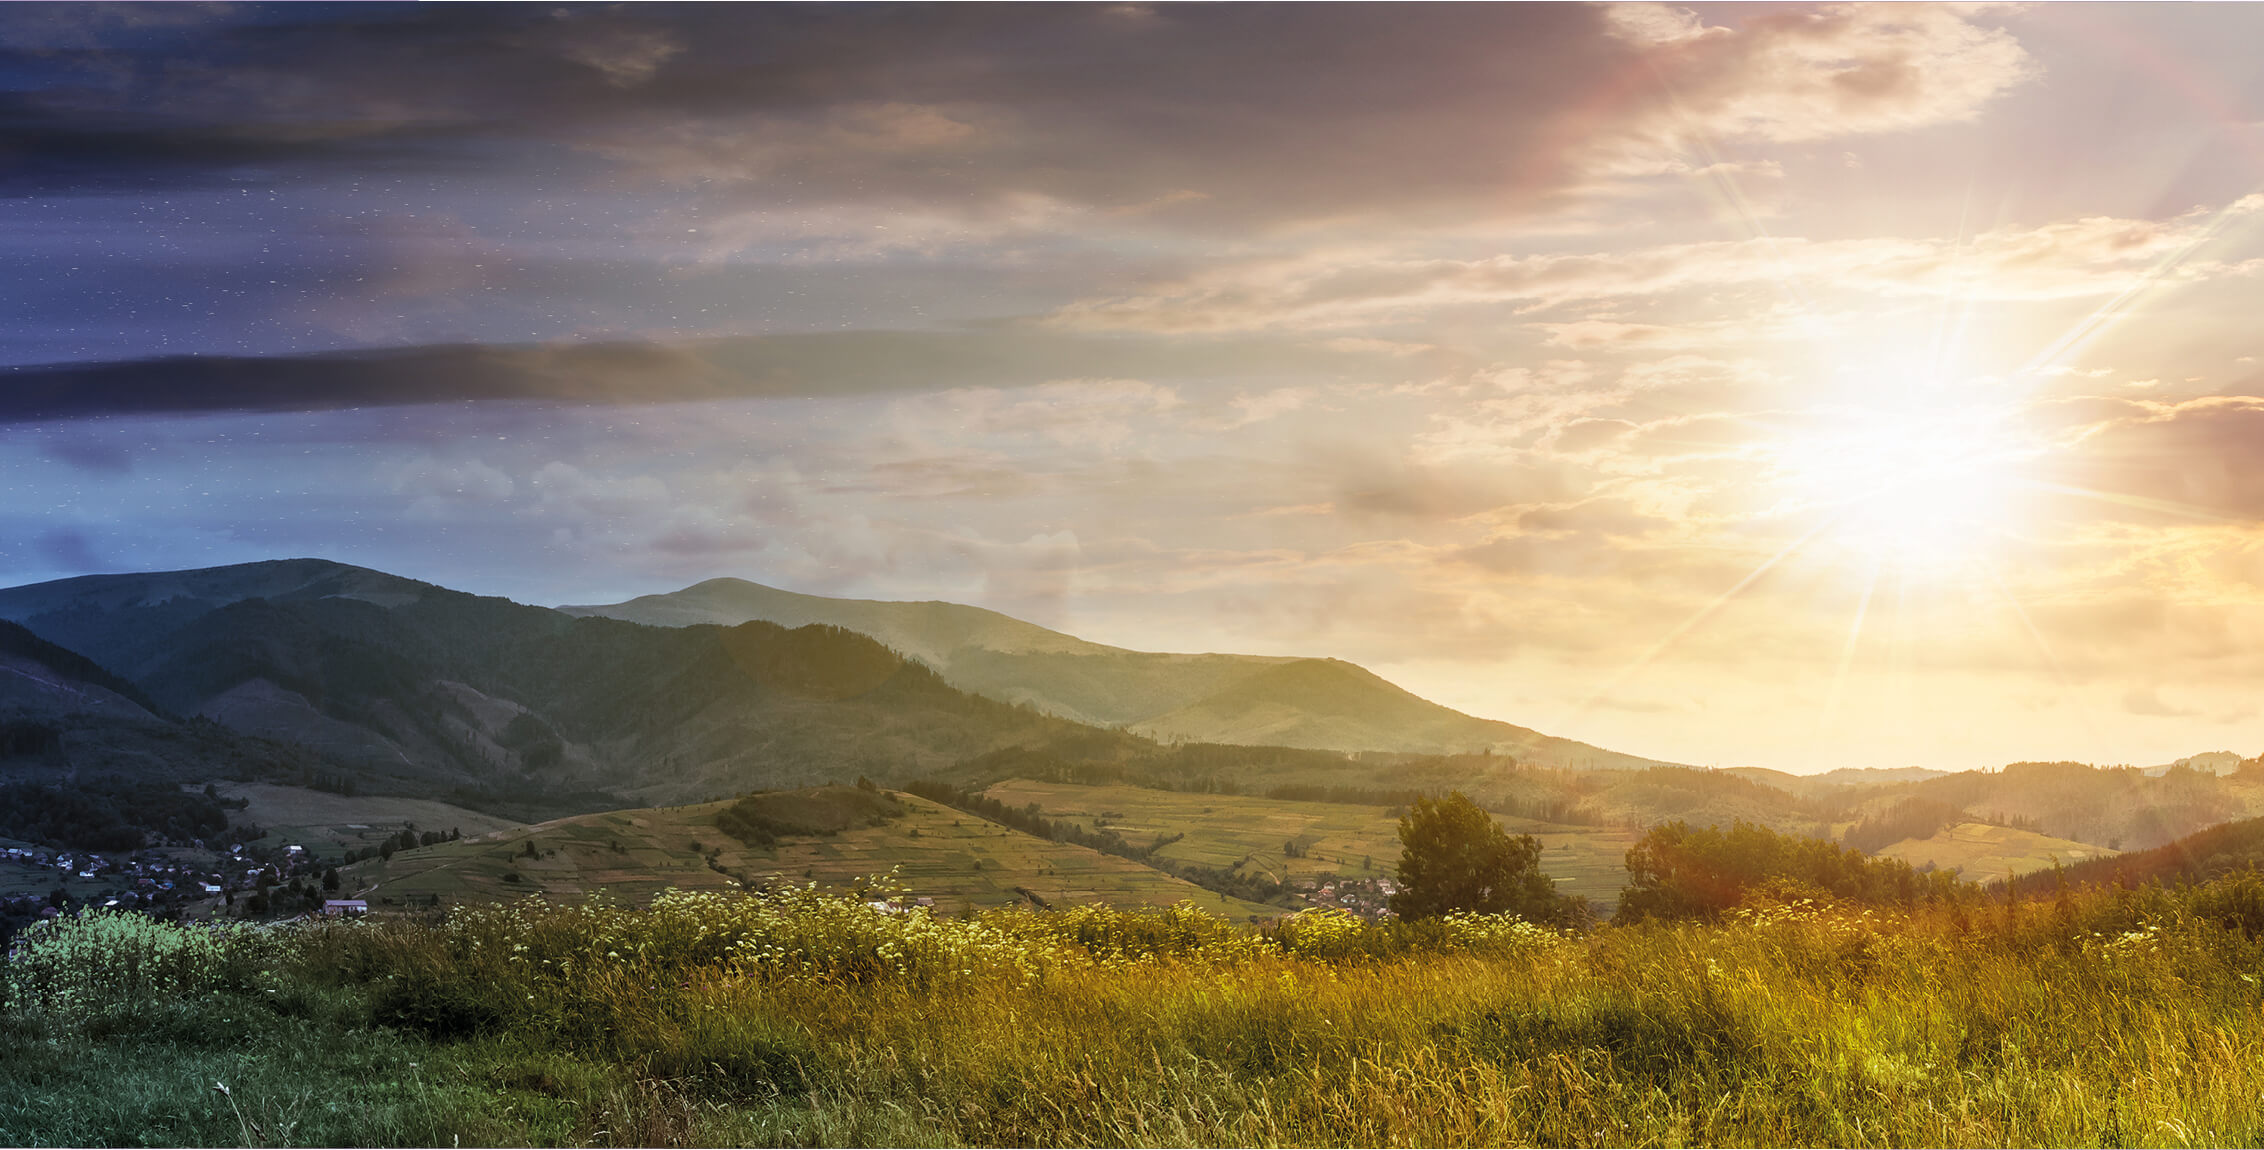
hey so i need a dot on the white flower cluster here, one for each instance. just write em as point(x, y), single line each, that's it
point(101, 958)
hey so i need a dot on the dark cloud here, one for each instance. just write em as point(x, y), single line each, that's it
point(1228, 111)
point(829, 364)
point(2204, 457)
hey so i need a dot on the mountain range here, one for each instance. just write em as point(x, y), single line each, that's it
point(317, 674)
point(1271, 700)
point(325, 674)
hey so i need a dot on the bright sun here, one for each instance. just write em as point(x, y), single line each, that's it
point(1916, 490)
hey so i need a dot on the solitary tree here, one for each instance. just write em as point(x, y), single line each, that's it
point(1457, 857)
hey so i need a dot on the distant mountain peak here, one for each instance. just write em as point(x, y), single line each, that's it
point(218, 586)
point(1318, 703)
point(930, 630)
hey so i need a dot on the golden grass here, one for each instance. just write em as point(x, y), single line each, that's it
point(1983, 853)
point(1248, 834)
point(2104, 1018)
point(961, 861)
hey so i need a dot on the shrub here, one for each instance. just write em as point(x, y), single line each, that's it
point(1676, 871)
point(101, 960)
point(1179, 931)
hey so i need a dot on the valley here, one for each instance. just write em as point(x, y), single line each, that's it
point(342, 711)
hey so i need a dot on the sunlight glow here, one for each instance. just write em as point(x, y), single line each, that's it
point(1917, 490)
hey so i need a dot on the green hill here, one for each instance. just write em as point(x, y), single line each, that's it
point(1215, 698)
point(956, 859)
point(415, 689)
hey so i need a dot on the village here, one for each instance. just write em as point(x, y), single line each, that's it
point(1370, 898)
point(169, 882)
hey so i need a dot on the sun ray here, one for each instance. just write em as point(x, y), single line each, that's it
point(1701, 615)
point(2104, 317)
point(2140, 502)
point(1854, 638)
point(2044, 648)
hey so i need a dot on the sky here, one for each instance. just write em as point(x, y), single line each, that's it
point(1774, 385)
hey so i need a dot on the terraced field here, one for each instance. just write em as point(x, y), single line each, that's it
point(957, 859)
point(1982, 852)
point(1253, 834)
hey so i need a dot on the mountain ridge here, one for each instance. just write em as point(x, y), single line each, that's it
point(1196, 697)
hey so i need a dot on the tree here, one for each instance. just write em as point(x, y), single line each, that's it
point(1676, 871)
point(330, 880)
point(1457, 857)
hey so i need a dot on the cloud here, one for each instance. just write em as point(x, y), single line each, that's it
point(1590, 434)
point(1367, 486)
point(2148, 701)
point(791, 365)
point(1324, 289)
point(2200, 459)
point(439, 488)
point(1200, 115)
point(1192, 112)
point(562, 485)
point(1801, 73)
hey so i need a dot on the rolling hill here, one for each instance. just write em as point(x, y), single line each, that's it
point(958, 860)
point(1981, 852)
point(41, 681)
point(411, 688)
point(2212, 853)
point(1209, 698)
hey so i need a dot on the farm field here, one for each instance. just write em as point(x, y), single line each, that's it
point(1250, 834)
point(331, 824)
point(1981, 852)
point(961, 861)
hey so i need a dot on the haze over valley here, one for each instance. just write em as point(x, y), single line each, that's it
point(329, 701)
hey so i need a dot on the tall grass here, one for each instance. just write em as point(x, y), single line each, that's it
point(2097, 1018)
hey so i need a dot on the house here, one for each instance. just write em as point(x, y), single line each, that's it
point(348, 907)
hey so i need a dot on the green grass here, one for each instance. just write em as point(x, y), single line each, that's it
point(961, 861)
point(332, 824)
point(2104, 1018)
point(1249, 834)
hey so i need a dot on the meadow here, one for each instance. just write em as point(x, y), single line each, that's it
point(2090, 1017)
point(961, 861)
point(1983, 853)
point(1248, 833)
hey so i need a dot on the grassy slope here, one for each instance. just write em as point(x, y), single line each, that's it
point(334, 824)
point(1243, 699)
point(957, 859)
point(1985, 853)
point(1249, 833)
point(1329, 703)
point(2112, 1018)
point(2212, 853)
